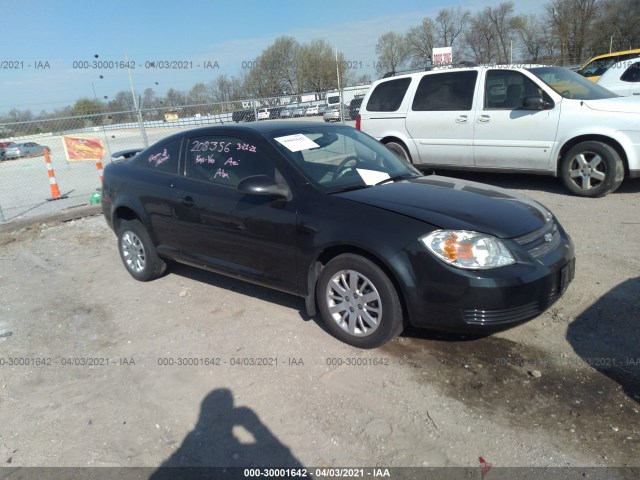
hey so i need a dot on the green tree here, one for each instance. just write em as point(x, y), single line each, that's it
point(317, 67)
point(86, 106)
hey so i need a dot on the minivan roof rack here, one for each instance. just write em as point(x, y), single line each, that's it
point(431, 66)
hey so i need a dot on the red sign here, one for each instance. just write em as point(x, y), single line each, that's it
point(77, 148)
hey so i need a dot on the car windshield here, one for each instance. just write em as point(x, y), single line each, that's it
point(338, 158)
point(569, 84)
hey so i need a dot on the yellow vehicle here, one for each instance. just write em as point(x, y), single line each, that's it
point(171, 116)
point(595, 67)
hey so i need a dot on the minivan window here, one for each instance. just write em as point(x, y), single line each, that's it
point(506, 89)
point(632, 74)
point(451, 91)
point(387, 96)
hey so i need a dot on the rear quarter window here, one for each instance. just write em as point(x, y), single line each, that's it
point(387, 96)
point(162, 158)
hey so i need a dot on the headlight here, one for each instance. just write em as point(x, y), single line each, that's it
point(464, 249)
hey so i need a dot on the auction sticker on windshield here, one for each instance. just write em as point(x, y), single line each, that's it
point(297, 142)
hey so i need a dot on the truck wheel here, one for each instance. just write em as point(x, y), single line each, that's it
point(591, 169)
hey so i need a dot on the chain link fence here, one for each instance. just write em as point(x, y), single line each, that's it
point(26, 182)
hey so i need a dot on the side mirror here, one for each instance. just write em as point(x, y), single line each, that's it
point(536, 103)
point(263, 185)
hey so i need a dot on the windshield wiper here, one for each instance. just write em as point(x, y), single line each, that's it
point(396, 178)
point(350, 188)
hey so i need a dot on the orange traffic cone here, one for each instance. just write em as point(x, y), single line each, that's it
point(55, 191)
point(100, 170)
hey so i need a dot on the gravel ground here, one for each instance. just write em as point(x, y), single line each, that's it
point(99, 370)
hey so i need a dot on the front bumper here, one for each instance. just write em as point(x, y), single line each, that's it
point(446, 298)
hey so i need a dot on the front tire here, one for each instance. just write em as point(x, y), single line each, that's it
point(138, 253)
point(591, 169)
point(399, 149)
point(358, 302)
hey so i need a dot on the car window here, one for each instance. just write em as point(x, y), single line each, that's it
point(506, 89)
point(225, 160)
point(632, 74)
point(597, 67)
point(162, 158)
point(571, 85)
point(387, 96)
point(445, 92)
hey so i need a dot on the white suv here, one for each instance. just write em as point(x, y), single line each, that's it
point(538, 119)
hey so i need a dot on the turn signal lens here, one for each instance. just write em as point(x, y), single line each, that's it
point(470, 250)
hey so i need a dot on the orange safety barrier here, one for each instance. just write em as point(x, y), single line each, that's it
point(55, 191)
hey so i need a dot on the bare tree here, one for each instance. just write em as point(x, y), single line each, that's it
point(617, 28)
point(420, 41)
point(225, 89)
point(450, 23)
point(531, 33)
point(501, 19)
point(392, 53)
point(174, 98)
point(571, 20)
point(149, 98)
point(198, 95)
point(480, 38)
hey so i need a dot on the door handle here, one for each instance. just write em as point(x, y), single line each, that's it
point(462, 119)
point(188, 201)
point(484, 119)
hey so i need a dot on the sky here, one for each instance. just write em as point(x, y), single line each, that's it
point(48, 45)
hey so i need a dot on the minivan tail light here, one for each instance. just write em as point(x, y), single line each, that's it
point(358, 122)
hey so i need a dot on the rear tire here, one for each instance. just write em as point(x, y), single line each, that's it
point(137, 251)
point(591, 169)
point(358, 302)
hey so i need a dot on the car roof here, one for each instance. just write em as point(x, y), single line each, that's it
point(626, 62)
point(457, 67)
point(612, 54)
point(252, 127)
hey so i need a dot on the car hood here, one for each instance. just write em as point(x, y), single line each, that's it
point(457, 204)
point(618, 104)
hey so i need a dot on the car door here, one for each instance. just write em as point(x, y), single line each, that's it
point(154, 179)
point(247, 236)
point(441, 118)
point(507, 135)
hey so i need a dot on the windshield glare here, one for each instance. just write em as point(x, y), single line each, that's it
point(336, 158)
point(569, 84)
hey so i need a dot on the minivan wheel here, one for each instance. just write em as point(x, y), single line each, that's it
point(358, 302)
point(399, 149)
point(591, 169)
point(137, 251)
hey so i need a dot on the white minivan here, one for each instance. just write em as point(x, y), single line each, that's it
point(535, 119)
point(622, 77)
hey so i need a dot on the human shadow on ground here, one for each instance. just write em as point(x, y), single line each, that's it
point(228, 438)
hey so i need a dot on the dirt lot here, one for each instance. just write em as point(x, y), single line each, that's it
point(97, 369)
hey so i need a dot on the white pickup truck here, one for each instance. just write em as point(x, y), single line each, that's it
point(534, 119)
